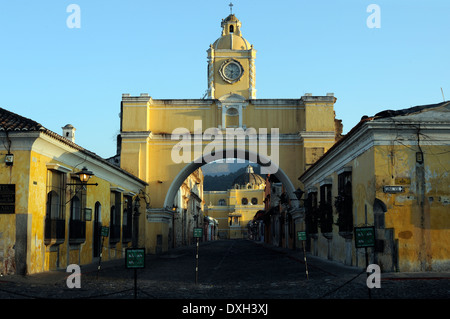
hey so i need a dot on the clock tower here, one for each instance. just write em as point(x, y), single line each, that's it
point(231, 63)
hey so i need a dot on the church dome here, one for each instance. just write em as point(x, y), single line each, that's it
point(231, 42)
point(231, 38)
point(249, 178)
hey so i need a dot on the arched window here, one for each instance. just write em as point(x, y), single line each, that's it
point(55, 226)
point(232, 117)
point(75, 208)
point(77, 225)
point(98, 212)
point(221, 202)
point(114, 221)
point(127, 218)
point(231, 28)
point(53, 205)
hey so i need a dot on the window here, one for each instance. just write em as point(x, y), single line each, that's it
point(77, 225)
point(231, 28)
point(234, 221)
point(244, 201)
point(254, 201)
point(326, 209)
point(311, 213)
point(232, 117)
point(55, 194)
point(97, 229)
point(75, 208)
point(127, 218)
point(55, 224)
point(222, 202)
point(114, 229)
point(344, 202)
point(53, 205)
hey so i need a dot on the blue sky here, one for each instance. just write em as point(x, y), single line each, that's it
point(56, 75)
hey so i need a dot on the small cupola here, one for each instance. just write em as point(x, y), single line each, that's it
point(231, 25)
point(69, 132)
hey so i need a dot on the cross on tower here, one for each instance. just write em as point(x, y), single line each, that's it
point(231, 7)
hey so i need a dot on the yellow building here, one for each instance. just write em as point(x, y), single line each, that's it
point(49, 218)
point(163, 141)
point(187, 211)
point(236, 207)
point(391, 171)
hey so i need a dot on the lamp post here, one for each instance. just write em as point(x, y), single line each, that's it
point(84, 175)
point(136, 214)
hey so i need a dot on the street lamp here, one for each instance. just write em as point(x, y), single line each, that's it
point(84, 175)
point(136, 214)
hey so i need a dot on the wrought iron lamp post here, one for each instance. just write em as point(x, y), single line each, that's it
point(136, 214)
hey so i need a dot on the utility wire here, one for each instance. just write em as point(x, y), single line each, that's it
point(347, 282)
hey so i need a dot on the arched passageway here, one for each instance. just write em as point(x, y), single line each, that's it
point(238, 154)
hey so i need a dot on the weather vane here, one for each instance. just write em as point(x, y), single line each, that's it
point(231, 7)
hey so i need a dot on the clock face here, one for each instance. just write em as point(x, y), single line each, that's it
point(231, 71)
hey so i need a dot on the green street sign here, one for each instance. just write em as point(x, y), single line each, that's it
point(301, 235)
point(364, 237)
point(105, 231)
point(198, 232)
point(135, 258)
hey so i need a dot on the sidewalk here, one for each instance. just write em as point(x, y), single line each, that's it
point(335, 268)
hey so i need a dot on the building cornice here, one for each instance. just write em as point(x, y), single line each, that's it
point(369, 133)
point(136, 135)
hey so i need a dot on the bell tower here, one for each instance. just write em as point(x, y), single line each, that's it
point(231, 63)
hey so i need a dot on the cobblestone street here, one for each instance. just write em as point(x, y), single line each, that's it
point(228, 270)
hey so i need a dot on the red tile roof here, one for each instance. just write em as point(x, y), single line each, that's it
point(12, 122)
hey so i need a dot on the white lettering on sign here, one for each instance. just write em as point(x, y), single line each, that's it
point(393, 189)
